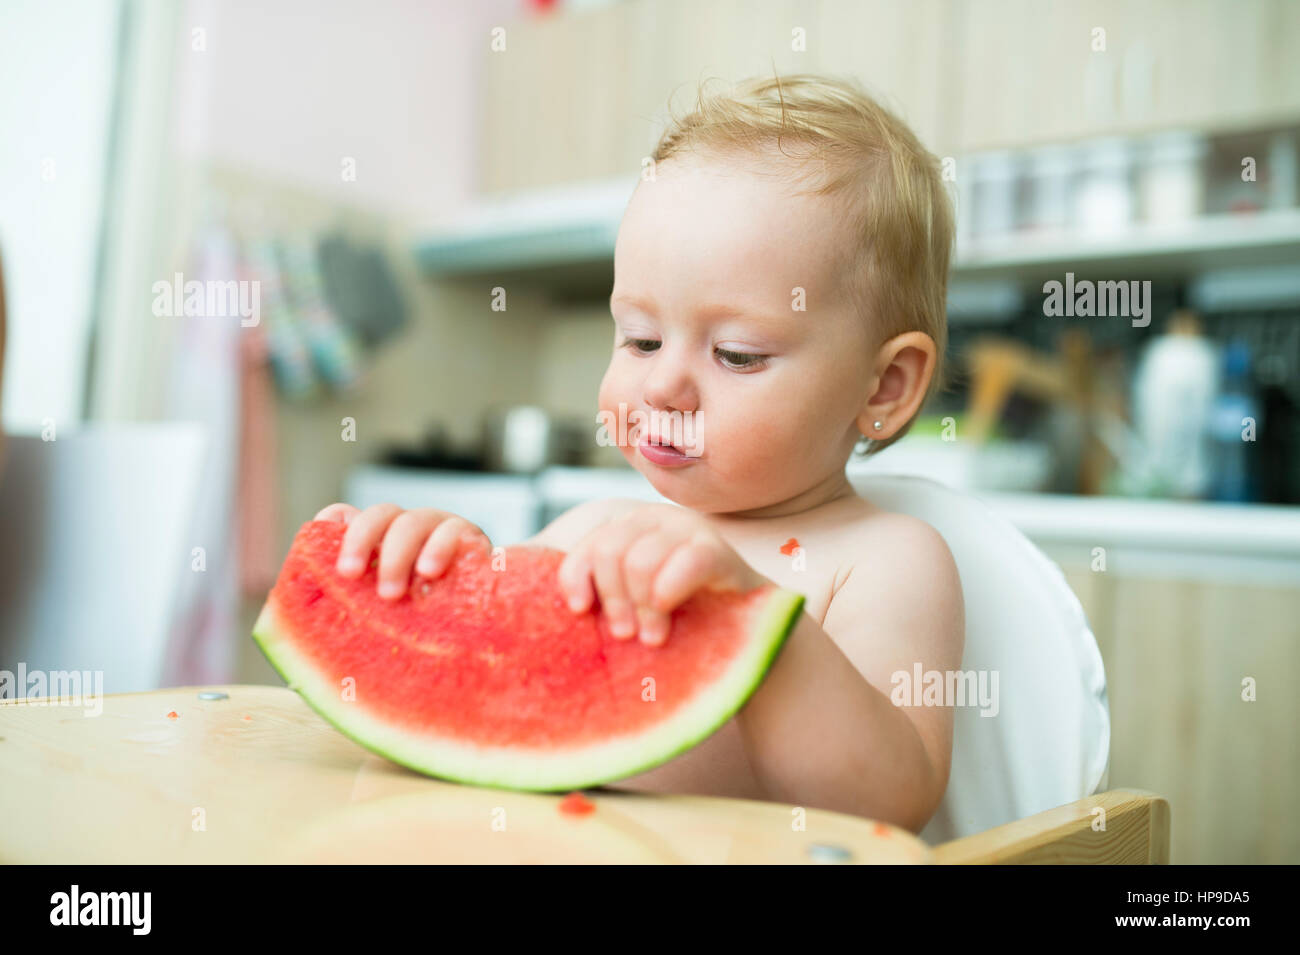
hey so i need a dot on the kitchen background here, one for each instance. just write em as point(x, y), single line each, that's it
point(381, 168)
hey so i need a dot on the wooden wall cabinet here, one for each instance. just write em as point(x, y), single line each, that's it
point(1176, 652)
point(584, 96)
point(1033, 71)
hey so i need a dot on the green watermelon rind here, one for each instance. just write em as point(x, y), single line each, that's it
point(518, 770)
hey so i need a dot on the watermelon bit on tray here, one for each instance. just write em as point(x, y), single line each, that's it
point(485, 676)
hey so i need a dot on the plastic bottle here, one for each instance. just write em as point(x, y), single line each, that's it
point(1174, 389)
point(1234, 420)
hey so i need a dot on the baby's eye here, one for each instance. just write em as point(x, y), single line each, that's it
point(641, 344)
point(738, 360)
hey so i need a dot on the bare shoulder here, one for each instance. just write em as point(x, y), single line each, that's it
point(575, 523)
point(902, 590)
point(907, 543)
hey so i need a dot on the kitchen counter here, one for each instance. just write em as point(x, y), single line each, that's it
point(1246, 542)
point(1258, 530)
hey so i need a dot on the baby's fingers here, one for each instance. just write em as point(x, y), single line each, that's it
point(342, 513)
point(612, 588)
point(692, 566)
point(575, 579)
point(402, 542)
point(441, 546)
point(641, 567)
point(364, 532)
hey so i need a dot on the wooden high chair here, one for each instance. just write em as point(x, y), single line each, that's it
point(1136, 833)
point(1028, 784)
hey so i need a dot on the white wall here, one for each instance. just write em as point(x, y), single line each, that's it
point(290, 88)
point(58, 62)
point(278, 93)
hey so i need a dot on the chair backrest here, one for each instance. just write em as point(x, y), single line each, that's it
point(1049, 742)
point(1136, 832)
point(96, 526)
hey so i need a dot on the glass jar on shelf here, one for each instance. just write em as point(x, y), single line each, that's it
point(994, 180)
point(1049, 174)
point(1173, 177)
point(1103, 201)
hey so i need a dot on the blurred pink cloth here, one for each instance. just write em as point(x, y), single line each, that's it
point(256, 508)
point(220, 378)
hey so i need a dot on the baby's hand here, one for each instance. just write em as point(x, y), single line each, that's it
point(645, 563)
point(425, 538)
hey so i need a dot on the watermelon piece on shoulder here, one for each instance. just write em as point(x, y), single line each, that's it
point(485, 676)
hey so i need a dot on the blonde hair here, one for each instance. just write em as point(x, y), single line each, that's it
point(896, 204)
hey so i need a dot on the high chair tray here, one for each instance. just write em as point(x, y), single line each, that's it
point(258, 776)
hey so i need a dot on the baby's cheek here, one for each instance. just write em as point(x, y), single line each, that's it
point(607, 400)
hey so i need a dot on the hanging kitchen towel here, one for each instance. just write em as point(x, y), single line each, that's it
point(330, 343)
point(290, 354)
point(361, 289)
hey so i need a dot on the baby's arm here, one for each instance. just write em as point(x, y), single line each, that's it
point(822, 731)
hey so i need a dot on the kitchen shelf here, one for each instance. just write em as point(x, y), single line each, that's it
point(1142, 251)
point(562, 239)
point(559, 238)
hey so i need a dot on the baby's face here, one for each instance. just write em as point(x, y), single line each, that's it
point(707, 323)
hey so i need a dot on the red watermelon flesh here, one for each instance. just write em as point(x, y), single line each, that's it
point(485, 676)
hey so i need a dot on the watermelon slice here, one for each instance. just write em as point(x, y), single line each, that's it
point(485, 675)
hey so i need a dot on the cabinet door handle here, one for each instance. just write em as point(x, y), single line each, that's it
point(1137, 81)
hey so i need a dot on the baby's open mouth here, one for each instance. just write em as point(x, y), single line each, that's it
point(664, 452)
point(662, 441)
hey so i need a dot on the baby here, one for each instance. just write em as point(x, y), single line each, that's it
point(779, 292)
